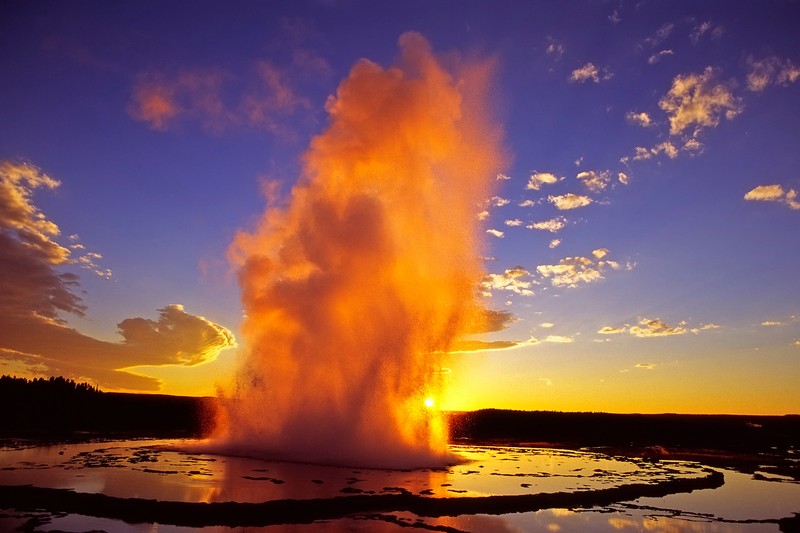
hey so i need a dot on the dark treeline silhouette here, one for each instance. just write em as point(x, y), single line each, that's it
point(736, 433)
point(59, 408)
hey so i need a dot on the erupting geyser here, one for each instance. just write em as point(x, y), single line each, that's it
point(355, 288)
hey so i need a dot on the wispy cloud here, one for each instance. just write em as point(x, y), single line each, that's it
point(496, 232)
point(568, 201)
point(655, 327)
point(770, 71)
point(774, 193)
point(706, 29)
point(264, 98)
point(658, 56)
point(660, 35)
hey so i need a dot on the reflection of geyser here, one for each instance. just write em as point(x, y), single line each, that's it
point(356, 287)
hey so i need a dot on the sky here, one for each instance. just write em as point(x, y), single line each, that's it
point(640, 240)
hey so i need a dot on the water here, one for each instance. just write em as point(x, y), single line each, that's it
point(166, 471)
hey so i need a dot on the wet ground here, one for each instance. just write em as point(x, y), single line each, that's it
point(171, 486)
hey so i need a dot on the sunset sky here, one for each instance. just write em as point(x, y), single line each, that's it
point(642, 240)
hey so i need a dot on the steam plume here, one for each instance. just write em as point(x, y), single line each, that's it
point(355, 290)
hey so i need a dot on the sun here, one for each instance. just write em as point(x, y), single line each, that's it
point(429, 402)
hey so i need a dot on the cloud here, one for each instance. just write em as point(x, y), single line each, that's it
point(658, 56)
point(538, 179)
point(647, 327)
point(595, 181)
point(706, 28)
point(559, 339)
point(640, 119)
point(34, 338)
point(513, 223)
point(553, 225)
point(546, 325)
point(492, 321)
point(573, 271)
point(516, 280)
point(698, 100)
point(774, 193)
point(502, 177)
point(496, 232)
point(589, 72)
point(660, 36)
point(772, 323)
point(623, 178)
point(527, 203)
point(645, 366)
point(554, 243)
point(667, 148)
point(498, 201)
point(471, 346)
point(569, 201)
point(218, 100)
point(770, 71)
point(554, 49)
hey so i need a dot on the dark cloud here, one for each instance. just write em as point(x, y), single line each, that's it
point(34, 339)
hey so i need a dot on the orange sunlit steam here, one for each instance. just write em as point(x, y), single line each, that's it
point(356, 288)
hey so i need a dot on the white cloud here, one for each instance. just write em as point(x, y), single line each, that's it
point(546, 325)
point(595, 181)
point(770, 71)
point(559, 339)
point(498, 201)
point(554, 243)
point(538, 179)
point(772, 323)
point(503, 177)
point(658, 56)
point(483, 215)
point(774, 193)
point(573, 271)
point(569, 201)
point(553, 225)
point(645, 366)
point(497, 233)
point(647, 327)
point(516, 280)
point(514, 222)
point(640, 119)
point(527, 203)
point(698, 100)
point(623, 178)
point(589, 72)
point(608, 330)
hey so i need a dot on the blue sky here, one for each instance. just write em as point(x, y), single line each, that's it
point(643, 234)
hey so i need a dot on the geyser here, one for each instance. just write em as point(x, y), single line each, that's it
point(355, 287)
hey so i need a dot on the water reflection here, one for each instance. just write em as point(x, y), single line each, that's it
point(173, 471)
